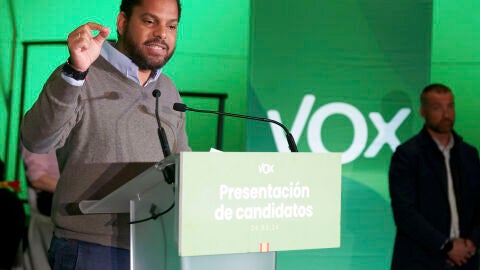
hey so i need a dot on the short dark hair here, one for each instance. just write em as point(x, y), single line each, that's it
point(127, 7)
point(434, 87)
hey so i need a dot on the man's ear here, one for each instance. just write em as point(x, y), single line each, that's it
point(121, 23)
point(422, 112)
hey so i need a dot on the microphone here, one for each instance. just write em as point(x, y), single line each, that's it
point(161, 132)
point(180, 107)
point(168, 171)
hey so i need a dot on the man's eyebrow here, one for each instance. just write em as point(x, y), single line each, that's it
point(157, 18)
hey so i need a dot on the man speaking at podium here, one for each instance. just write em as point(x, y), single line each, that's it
point(98, 112)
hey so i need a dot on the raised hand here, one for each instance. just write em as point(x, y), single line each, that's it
point(85, 48)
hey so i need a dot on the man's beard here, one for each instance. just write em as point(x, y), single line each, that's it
point(443, 127)
point(138, 57)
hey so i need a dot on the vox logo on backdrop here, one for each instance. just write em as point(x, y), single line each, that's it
point(386, 129)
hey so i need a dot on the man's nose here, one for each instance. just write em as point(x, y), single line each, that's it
point(160, 32)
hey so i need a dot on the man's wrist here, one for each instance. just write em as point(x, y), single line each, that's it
point(447, 246)
point(71, 72)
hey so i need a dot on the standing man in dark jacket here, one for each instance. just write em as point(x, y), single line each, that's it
point(435, 192)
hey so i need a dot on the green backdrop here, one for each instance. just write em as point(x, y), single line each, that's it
point(342, 75)
point(345, 76)
point(352, 59)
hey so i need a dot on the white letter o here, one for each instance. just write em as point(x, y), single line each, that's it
point(360, 130)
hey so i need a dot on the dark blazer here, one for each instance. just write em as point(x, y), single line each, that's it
point(418, 191)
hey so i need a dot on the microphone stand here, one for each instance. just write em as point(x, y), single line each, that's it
point(291, 141)
point(169, 170)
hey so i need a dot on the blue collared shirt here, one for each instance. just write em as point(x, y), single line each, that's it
point(120, 62)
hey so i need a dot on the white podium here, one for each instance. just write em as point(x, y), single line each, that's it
point(206, 219)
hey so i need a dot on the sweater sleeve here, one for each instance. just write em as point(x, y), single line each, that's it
point(38, 165)
point(48, 123)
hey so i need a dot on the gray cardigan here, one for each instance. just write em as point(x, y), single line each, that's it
point(104, 132)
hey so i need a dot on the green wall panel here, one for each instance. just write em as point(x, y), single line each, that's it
point(334, 72)
point(456, 60)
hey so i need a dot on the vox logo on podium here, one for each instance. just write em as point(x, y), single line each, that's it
point(265, 168)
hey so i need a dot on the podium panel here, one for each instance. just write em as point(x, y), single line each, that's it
point(229, 210)
point(258, 202)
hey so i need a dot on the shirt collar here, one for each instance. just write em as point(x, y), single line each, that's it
point(124, 64)
point(448, 147)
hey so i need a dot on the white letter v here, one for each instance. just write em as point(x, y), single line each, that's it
point(298, 124)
